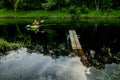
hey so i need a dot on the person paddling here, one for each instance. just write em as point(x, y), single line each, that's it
point(35, 26)
point(35, 23)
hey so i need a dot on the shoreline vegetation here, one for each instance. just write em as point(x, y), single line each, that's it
point(93, 14)
point(6, 46)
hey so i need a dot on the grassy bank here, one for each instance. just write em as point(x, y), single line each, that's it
point(30, 14)
point(6, 46)
point(57, 14)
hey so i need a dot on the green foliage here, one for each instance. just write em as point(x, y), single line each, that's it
point(1, 4)
point(4, 45)
point(72, 10)
point(116, 4)
point(84, 9)
point(8, 4)
point(58, 4)
point(75, 3)
point(106, 4)
point(58, 14)
point(49, 4)
point(27, 5)
point(67, 2)
point(16, 4)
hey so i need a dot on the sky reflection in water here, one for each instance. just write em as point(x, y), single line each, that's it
point(20, 65)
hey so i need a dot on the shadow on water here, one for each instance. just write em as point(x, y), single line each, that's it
point(47, 54)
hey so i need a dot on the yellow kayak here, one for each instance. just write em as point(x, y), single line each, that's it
point(34, 27)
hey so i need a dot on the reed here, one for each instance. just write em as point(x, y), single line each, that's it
point(5, 46)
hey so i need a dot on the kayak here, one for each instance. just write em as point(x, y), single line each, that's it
point(34, 27)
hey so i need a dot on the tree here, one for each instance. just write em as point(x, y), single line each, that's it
point(116, 4)
point(49, 4)
point(8, 4)
point(58, 4)
point(1, 4)
point(16, 5)
point(97, 3)
point(106, 4)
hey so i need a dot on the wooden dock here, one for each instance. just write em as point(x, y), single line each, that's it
point(77, 48)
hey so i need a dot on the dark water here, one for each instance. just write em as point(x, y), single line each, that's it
point(48, 57)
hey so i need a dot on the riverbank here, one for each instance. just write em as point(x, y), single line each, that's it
point(57, 14)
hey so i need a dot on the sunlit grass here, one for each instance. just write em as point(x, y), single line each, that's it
point(102, 14)
point(5, 46)
point(58, 14)
point(36, 13)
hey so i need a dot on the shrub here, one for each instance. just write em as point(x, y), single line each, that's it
point(72, 10)
point(84, 9)
point(5, 46)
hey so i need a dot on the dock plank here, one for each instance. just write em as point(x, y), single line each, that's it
point(77, 48)
point(77, 40)
point(73, 43)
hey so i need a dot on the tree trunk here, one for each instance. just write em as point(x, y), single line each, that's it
point(97, 4)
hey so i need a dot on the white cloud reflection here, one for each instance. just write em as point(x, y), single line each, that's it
point(24, 66)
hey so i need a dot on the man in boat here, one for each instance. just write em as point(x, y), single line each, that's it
point(35, 26)
point(35, 23)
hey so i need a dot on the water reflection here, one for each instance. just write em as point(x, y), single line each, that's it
point(111, 72)
point(103, 41)
point(99, 38)
point(20, 65)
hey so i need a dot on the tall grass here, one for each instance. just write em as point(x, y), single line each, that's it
point(36, 13)
point(103, 14)
point(58, 14)
point(5, 46)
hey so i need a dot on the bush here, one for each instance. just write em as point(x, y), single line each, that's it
point(84, 9)
point(72, 10)
point(49, 5)
point(1, 4)
point(5, 46)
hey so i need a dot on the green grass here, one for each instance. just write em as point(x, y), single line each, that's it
point(5, 46)
point(102, 14)
point(37, 13)
point(57, 14)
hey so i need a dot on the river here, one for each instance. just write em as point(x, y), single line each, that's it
point(50, 58)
